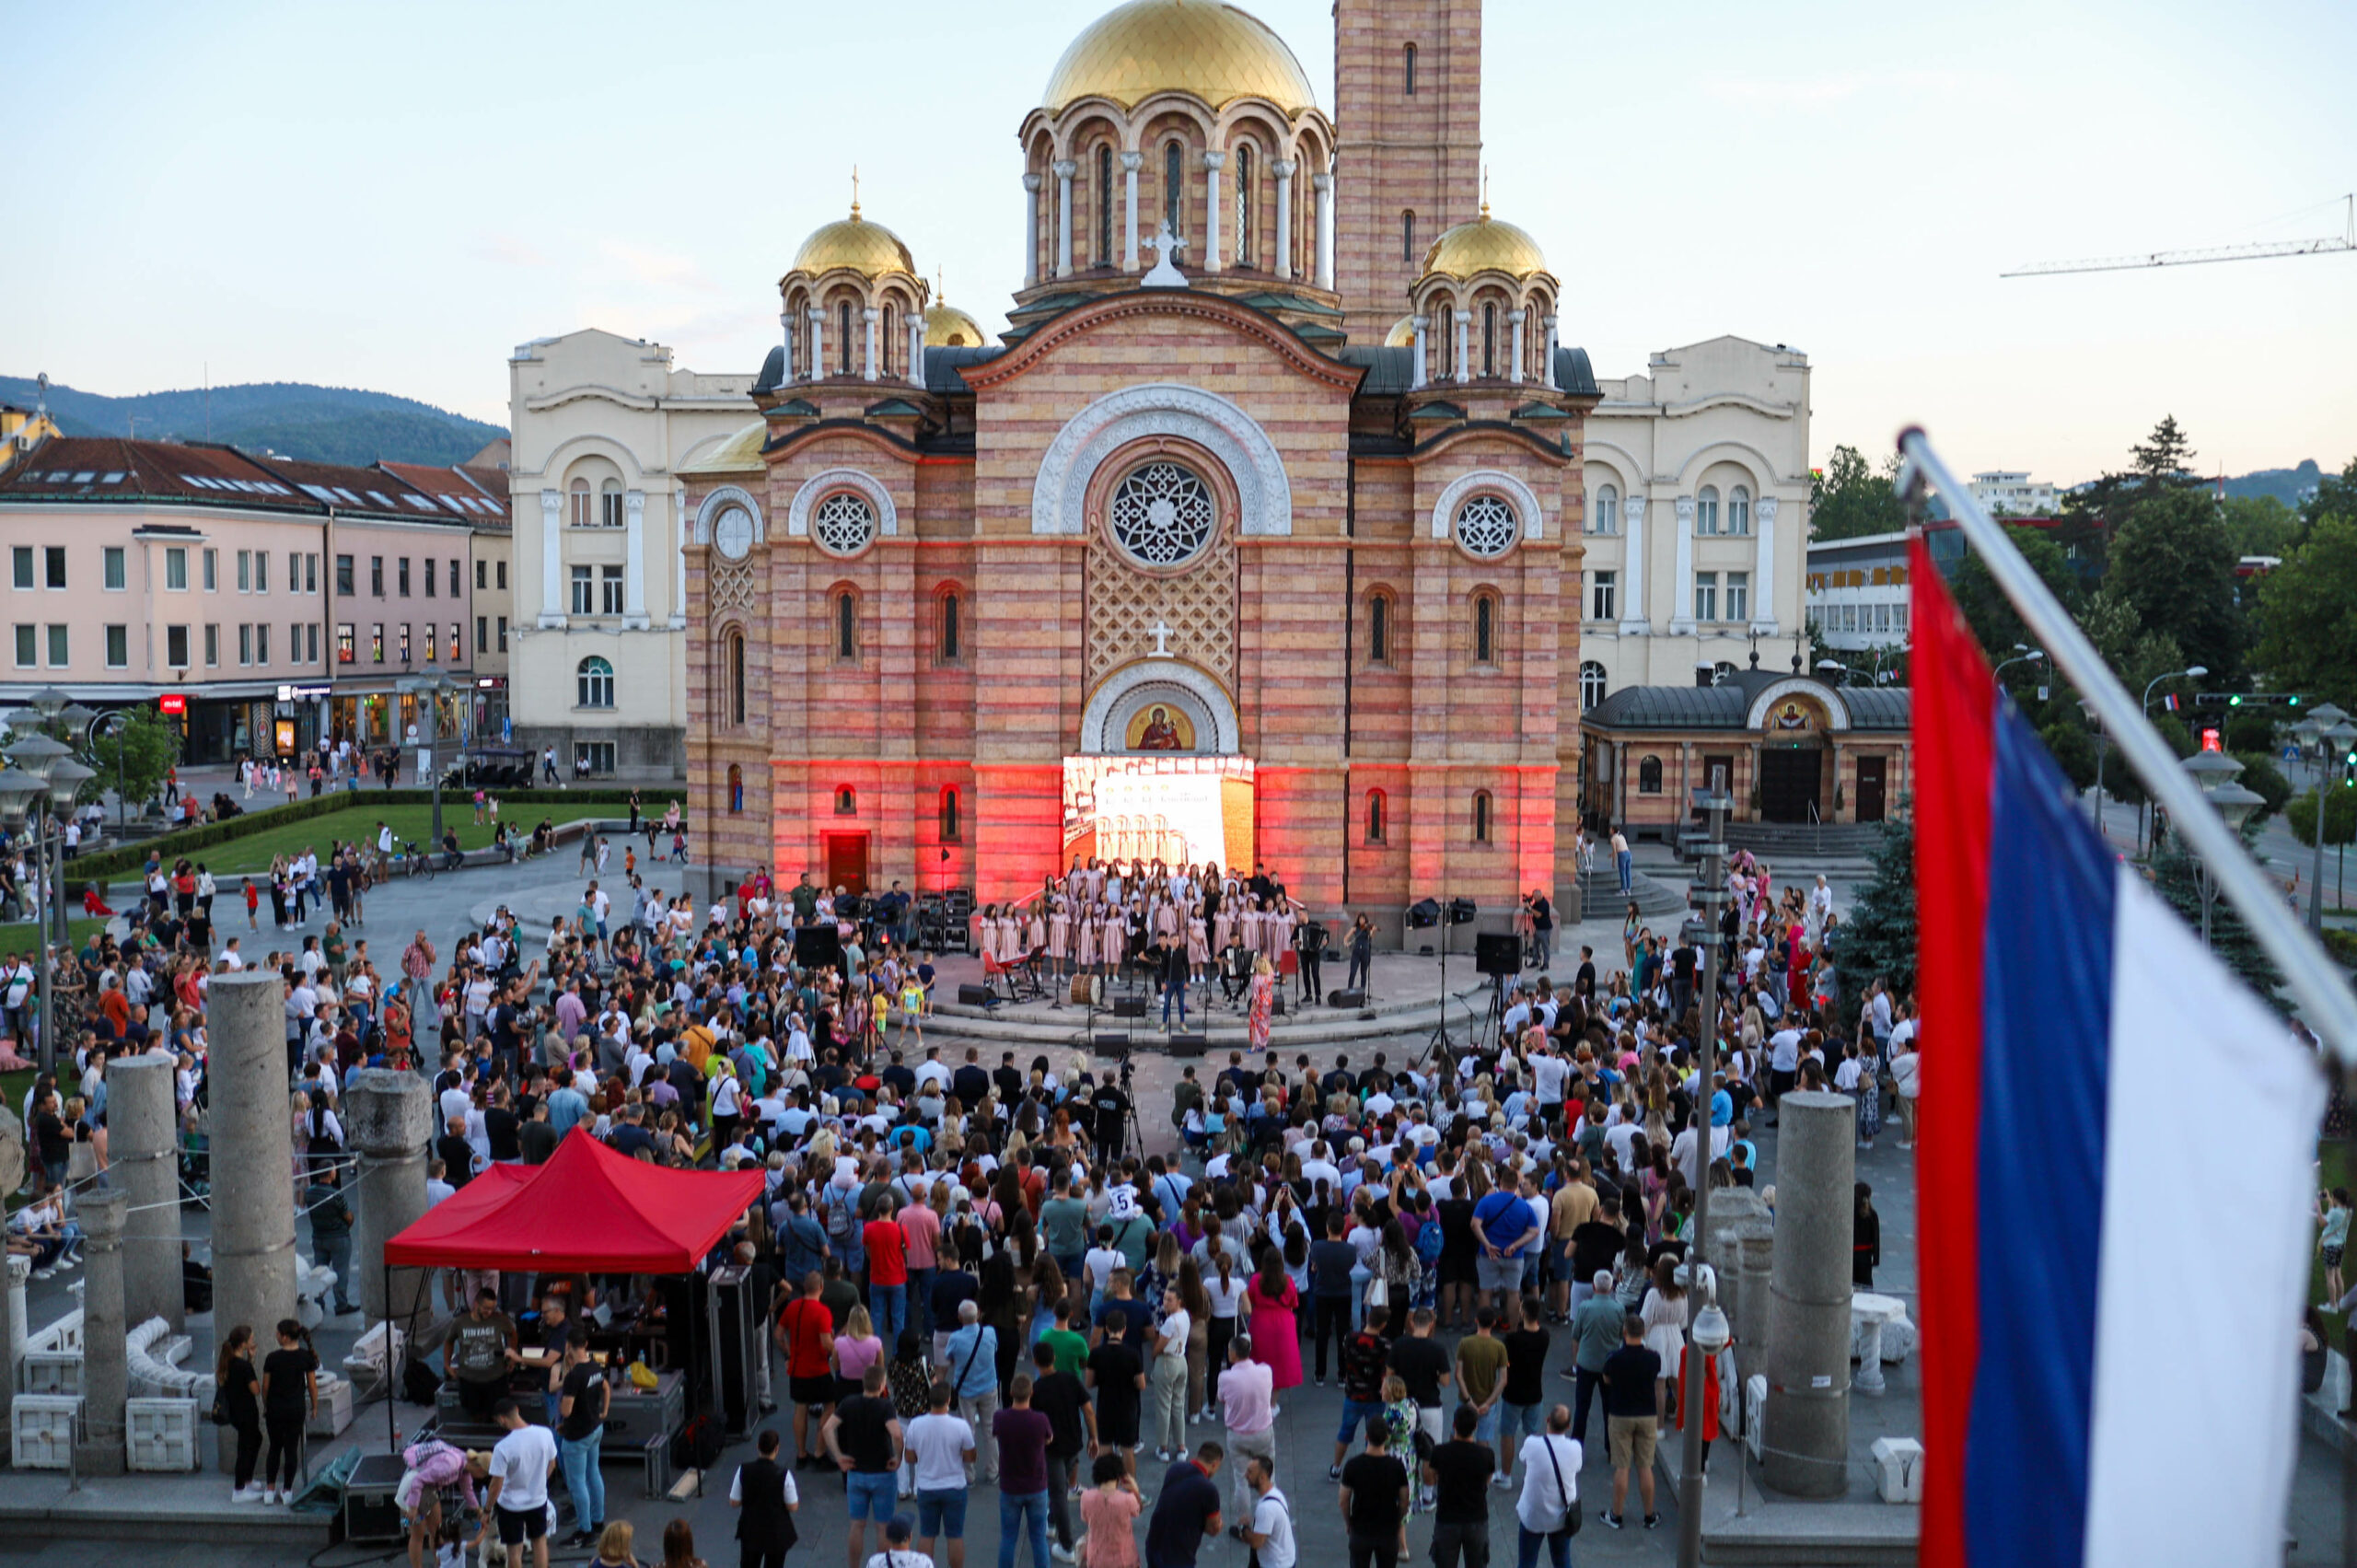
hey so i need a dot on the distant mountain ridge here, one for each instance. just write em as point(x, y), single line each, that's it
point(326, 424)
point(2290, 486)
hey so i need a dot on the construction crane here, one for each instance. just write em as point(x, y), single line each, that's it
point(2344, 241)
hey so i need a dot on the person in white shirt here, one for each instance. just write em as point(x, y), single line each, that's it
point(1550, 1489)
point(521, 1464)
point(1270, 1535)
point(942, 1444)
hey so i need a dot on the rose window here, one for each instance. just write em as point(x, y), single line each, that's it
point(1163, 515)
point(1486, 525)
point(844, 523)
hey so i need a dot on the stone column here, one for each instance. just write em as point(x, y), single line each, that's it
point(1323, 185)
point(673, 539)
point(1763, 567)
point(12, 1306)
point(1547, 369)
point(143, 1161)
point(818, 343)
point(1030, 230)
point(1130, 162)
point(552, 558)
point(916, 349)
point(635, 558)
point(1063, 169)
point(1681, 606)
point(106, 1359)
point(1742, 1251)
point(1282, 262)
point(1514, 320)
point(253, 1160)
point(1464, 346)
point(868, 358)
point(786, 325)
point(389, 1119)
point(1634, 622)
point(1212, 164)
point(1420, 377)
point(1807, 1425)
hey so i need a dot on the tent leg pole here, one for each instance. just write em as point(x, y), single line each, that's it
point(392, 1426)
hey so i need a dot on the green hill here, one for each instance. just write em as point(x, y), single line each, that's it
point(328, 424)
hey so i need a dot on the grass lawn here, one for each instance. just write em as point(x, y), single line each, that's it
point(410, 823)
point(22, 936)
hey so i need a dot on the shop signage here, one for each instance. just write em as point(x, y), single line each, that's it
point(173, 703)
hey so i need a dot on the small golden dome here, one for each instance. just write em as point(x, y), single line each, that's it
point(1402, 333)
point(1216, 52)
point(868, 248)
point(741, 453)
point(945, 326)
point(1485, 245)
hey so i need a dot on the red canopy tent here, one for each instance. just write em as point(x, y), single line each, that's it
point(589, 1210)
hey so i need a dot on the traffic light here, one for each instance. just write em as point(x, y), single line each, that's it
point(2293, 697)
point(2236, 701)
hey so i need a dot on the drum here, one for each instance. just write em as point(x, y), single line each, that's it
point(1087, 989)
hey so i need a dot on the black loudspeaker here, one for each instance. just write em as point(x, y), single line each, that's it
point(1462, 912)
point(370, 1513)
point(1277, 1003)
point(967, 996)
point(1423, 912)
point(1127, 1008)
point(1498, 953)
point(818, 946)
point(1110, 1039)
point(1346, 999)
point(735, 1327)
point(1189, 1045)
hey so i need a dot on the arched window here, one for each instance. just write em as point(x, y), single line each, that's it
point(1604, 515)
point(1485, 628)
point(949, 643)
point(1480, 815)
point(609, 503)
point(1408, 69)
point(884, 348)
point(593, 680)
point(1649, 776)
point(1408, 238)
point(582, 517)
point(1174, 187)
point(735, 789)
point(1375, 813)
point(1245, 205)
point(953, 827)
point(846, 627)
point(1739, 510)
point(842, 338)
point(1489, 339)
point(846, 801)
point(1706, 509)
point(735, 660)
point(1378, 628)
point(1104, 204)
point(1592, 681)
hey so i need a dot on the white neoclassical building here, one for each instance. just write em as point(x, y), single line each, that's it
point(1697, 543)
point(602, 424)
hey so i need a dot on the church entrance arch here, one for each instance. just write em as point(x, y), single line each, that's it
point(1159, 706)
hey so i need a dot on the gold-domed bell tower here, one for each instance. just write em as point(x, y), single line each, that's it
point(1408, 125)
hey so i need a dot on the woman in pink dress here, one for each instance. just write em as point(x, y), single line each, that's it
point(1224, 925)
point(1198, 948)
point(1084, 922)
point(1264, 991)
point(1277, 932)
point(1059, 937)
point(1276, 1334)
point(1112, 937)
point(1035, 929)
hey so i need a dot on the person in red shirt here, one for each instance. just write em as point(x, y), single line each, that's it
point(805, 1334)
point(888, 1275)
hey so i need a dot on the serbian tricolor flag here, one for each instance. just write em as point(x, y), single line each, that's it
point(2110, 1358)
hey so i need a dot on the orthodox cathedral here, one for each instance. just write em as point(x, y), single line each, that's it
point(1257, 538)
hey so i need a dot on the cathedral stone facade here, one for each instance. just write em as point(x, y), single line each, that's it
point(1280, 463)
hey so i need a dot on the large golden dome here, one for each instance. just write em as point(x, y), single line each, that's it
point(1402, 333)
point(741, 453)
point(1213, 50)
point(945, 326)
point(868, 248)
point(1485, 245)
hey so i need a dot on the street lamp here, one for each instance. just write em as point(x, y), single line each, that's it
point(2215, 773)
point(42, 767)
point(2325, 728)
point(2023, 654)
point(432, 688)
point(2194, 670)
point(1709, 895)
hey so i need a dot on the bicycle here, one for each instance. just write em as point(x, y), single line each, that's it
point(415, 862)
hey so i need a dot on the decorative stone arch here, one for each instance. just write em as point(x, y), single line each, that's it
point(819, 485)
point(1837, 714)
point(572, 448)
point(1741, 454)
point(719, 501)
point(1264, 494)
point(1525, 502)
point(1105, 723)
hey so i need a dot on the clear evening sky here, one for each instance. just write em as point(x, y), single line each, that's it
point(394, 196)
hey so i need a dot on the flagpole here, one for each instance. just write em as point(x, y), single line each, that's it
point(2318, 985)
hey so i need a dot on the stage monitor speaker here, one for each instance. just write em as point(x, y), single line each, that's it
point(735, 1326)
point(1462, 912)
point(1498, 953)
point(1129, 1006)
point(370, 1513)
point(1346, 999)
point(1189, 1045)
point(818, 946)
point(1110, 1039)
point(1276, 1004)
point(974, 996)
point(1423, 912)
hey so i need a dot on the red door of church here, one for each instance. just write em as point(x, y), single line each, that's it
point(847, 862)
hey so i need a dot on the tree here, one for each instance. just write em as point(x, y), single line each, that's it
point(2307, 614)
point(1847, 498)
point(2174, 566)
point(2260, 524)
point(1986, 608)
point(2165, 458)
point(150, 747)
point(2174, 878)
point(2264, 779)
point(2093, 515)
point(2339, 825)
point(2074, 750)
point(2336, 497)
point(1878, 937)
